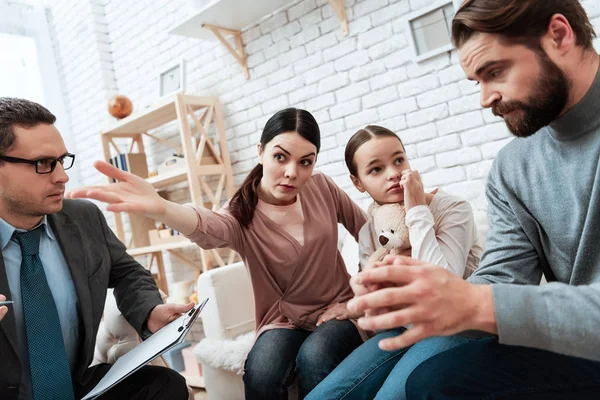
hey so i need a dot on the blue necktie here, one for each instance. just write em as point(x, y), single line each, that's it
point(48, 362)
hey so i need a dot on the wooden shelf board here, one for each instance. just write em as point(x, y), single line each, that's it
point(198, 101)
point(157, 114)
point(230, 14)
point(194, 381)
point(214, 169)
point(180, 175)
point(161, 247)
point(168, 178)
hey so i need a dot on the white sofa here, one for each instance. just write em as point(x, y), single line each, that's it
point(229, 324)
point(115, 335)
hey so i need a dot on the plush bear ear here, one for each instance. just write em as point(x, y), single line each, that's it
point(372, 208)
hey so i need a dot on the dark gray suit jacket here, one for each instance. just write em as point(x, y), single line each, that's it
point(97, 260)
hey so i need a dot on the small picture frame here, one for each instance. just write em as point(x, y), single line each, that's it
point(172, 79)
point(429, 29)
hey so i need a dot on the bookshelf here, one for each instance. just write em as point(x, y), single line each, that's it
point(203, 158)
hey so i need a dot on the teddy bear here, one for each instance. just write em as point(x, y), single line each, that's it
point(390, 228)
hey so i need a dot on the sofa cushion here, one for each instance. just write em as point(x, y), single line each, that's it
point(230, 310)
point(227, 354)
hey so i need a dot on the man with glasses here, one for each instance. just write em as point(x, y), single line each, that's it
point(59, 257)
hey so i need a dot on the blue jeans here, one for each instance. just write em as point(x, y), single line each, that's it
point(280, 355)
point(485, 369)
point(372, 373)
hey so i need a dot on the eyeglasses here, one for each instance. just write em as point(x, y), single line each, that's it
point(44, 165)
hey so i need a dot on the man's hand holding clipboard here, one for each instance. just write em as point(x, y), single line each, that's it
point(160, 342)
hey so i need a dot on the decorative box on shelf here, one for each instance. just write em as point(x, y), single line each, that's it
point(176, 161)
point(135, 163)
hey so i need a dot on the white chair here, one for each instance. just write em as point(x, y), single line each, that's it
point(229, 324)
point(116, 336)
point(228, 321)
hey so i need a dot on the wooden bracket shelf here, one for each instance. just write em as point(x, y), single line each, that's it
point(340, 11)
point(168, 178)
point(221, 18)
point(239, 54)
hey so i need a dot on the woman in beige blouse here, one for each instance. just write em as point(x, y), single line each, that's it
point(283, 222)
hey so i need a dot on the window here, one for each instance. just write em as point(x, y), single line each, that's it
point(430, 30)
point(25, 47)
point(19, 68)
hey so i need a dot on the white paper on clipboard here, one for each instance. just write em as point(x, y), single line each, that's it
point(160, 342)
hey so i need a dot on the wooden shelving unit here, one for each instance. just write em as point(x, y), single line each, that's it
point(184, 243)
point(202, 158)
point(221, 19)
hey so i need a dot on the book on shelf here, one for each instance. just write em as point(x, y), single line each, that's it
point(131, 162)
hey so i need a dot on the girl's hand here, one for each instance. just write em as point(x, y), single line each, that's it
point(338, 311)
point(414, 194)
point(131, 194)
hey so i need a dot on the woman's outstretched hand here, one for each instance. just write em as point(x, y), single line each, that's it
point(131, 194)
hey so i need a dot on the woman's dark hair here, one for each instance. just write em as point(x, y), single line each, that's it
point(361, 137)
point(243, 203)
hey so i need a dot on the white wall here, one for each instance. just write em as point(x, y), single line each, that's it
point(297, 57)
point(30, 21)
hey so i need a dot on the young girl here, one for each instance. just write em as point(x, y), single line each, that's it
point(441, 231)
point(283, 222)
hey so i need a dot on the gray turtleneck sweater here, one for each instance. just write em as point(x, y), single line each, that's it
point(544, 212)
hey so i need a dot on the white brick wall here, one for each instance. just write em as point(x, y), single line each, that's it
point(297, 57)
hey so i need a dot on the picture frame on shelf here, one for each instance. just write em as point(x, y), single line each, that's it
point(172, 79)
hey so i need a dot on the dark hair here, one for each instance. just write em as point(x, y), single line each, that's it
point(520, 21)
point(361, 137)
point(243, 203)
point(22, 113)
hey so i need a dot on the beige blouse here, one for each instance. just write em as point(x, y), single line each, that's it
point(293, 283)
point(288, 217)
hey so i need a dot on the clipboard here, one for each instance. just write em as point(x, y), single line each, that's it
point(159, 343)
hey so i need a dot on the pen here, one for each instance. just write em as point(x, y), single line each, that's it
point(4, 303)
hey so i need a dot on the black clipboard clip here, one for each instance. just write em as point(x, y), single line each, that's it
point(191, 316)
